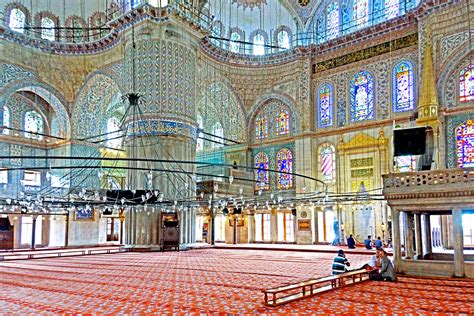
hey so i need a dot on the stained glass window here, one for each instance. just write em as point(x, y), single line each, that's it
point(360, 12)
point(283, 123)
point(113, 136)
point(362, 97)
point(325, 107)
point(262, 179)
point(285, 164)
point(327, 154)
point(466, 84)
point(234, 45)
point(261, 127)
point(33, 124)
point(218, 132)
point(332, 21)
point(391, 8)
point(6, 120)
point(258, 42)
point(405, 163)
point(48, 32)
point(465, 144)
point(403, 83)
point(200, 141)
point(283, 39)
point(17, 20)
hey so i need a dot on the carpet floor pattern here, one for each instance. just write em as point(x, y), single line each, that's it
point(210, 281)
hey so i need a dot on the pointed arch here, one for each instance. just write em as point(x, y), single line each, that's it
point(17, 16)
point(78, 33)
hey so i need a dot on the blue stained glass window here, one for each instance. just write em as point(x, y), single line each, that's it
point(283, 123)
point(360, 12)
point(465, 144)
point(6, 120)
point(261, 127)
point(285, 164)
point(262, 179)
point(403, 84)
point(332, 21)
point(325, 106)
point(391, 8)
point(466, 84)
point(33, 124)
point(17, 20)
point(362, 97)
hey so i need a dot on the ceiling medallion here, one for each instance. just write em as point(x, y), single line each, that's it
point(303, 3)
point(249, 3)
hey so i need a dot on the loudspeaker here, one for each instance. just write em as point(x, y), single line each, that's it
point(225, 211)
point(410, 141)
point(293, 211)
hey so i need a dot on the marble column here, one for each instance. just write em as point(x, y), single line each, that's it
point(428, 248)
point(409, 235)
point(397, 251)
point(418, 239)
point(458, 243)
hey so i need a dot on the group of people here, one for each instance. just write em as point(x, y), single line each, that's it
point(380, 267)
point(368, 243)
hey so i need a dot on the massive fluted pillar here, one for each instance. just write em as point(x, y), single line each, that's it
point(160, 66)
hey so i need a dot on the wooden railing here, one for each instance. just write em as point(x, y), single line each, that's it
point(289, 293)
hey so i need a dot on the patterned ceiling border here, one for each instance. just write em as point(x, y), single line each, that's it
point(387, 47)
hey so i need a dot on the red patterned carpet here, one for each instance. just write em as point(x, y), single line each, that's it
point(209, 281)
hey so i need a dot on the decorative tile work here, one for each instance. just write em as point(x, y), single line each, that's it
point(452, 122)
point(270, 110)
point(382, 92)
point(449, 43)
point(15, 150)
point(10, 73)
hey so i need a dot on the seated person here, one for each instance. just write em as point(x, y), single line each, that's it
point(351, 243)
point(378, 243)
point(340, 262)
point(374, 263)
point(368, 243)
point(387, 272)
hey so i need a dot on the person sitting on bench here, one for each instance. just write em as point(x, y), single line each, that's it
point(340, 262)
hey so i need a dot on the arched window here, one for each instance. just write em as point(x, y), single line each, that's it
point(325, 106)
point(332, 25)
point(285, 164)
point(33, 123)
point(113, 134)
point(261, 127)
point(159, 3)
point(391, 8)
point(283, 39)
point(48, 32)
point(258, 44)
point(76, 35)
point(262, 179)
point(465, 144)
point(466, 84)
point(327, 158)
point(6, 120)
point(218, 132)
point(234, 44)
point(200, 141)
point(360, 12)
point(403, 84)
point(283, 123)
point(17, 20)
point(362, 97)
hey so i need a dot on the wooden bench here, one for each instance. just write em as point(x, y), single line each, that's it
point(289, 293)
